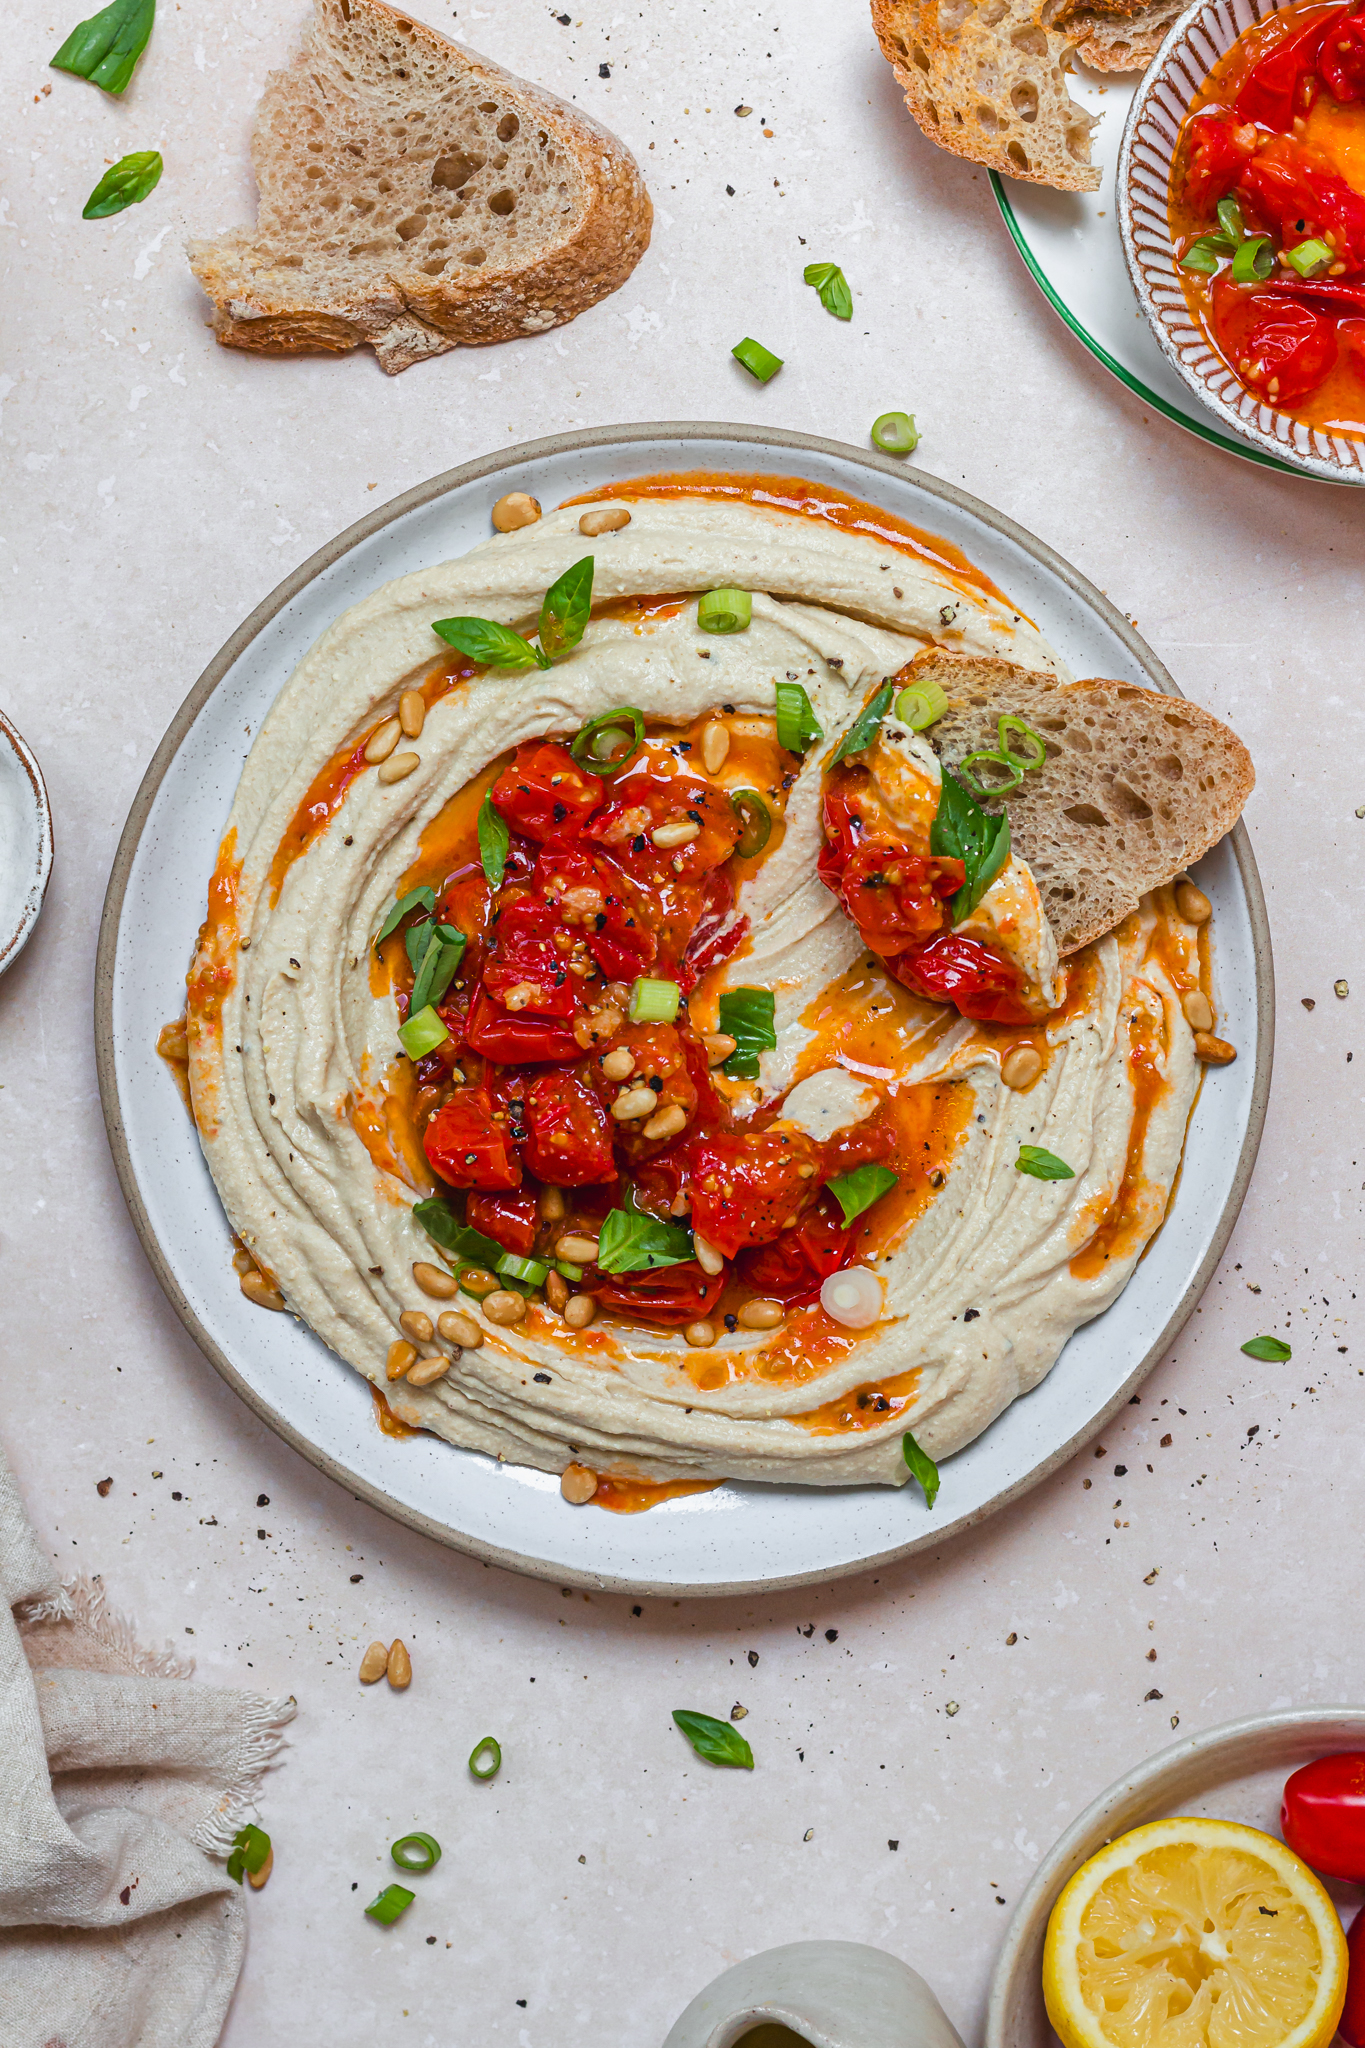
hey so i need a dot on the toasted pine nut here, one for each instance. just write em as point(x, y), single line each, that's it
point(617, 1063)
point(609, 520)
point(666, 1122)
point(398, 767)
point(1214, 1052)
point(1192, 903)
point(700, 1334)
point(682, 833)
point(454, 1327)
point(383, 740)
point(577, 1248)
point(473, 1280)
point(580, 1310)
point(416, 1323)
point(577, 1484)
point(173, 1040)
point(590, 1031)
point(518, 508)
point(435, 1281)
point(715, 745)
point(399, 1673)
point(1198, 1009)
point(761, 1315)
point(719, 1046)
point(556, 1291)
point(707, 1257)
point(259, 1879)
point(552, 1205)
point(1021, 1066)
point(242, 1262)
point(374, 1663)
point(257, 1288)
point(428, 1370)
point(401, 1356)
point(412, 713)
point(502, 1306)
point(634, 1102)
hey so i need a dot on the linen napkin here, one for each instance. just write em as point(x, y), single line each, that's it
point(120, 1782)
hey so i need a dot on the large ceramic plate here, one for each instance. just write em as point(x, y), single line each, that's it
point(736, 1538)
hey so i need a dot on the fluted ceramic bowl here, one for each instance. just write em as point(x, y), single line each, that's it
point(1203, 34)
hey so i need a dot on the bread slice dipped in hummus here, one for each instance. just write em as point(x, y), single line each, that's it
point(692, 989)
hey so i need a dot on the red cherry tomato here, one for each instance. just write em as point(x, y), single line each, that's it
point(962, 971)
point(545, 793)
point(467, 1147)
point(509, 1219)
point(567, 1138)
point(1323, 1815)
point(1295, 190)
point(1351, 2025)
point(500, 1035)
point(642, 801)
point(894, 896)
point(748, 1186)
point(1216, 153)
point(1284, 83)
point(1280, 338)
point(669, 1296)
point(1341, 59)
point(528, 964)
point(792, 1268)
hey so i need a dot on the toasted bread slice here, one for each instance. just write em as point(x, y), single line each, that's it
point(1136, 785)
point(416, 198)
point(989, 82)
point(1119, 38)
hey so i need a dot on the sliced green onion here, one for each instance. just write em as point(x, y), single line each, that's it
point(922, 1466)
point(725, 611)
point(570, 1272)
point(755, 822)
point(393, 1900)
point(1037, 745)
point(760, 362)
point(973, 783)
point(797, 725)
point(485, 1758)
point(422, 1033)
point(591, 747)
point(416, 1852)
point(1254, 259)
point(654, 1002)
point(895, 433)
point(1230, 219)
point(1310, 259)
point(921, 705)
point(1203, 255)
point(530, 1270)
point(250, 1848)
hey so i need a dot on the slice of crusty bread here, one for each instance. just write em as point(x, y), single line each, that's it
point(1136, 785)
point(417, 198)
point(1124, 37)
point(988, 81)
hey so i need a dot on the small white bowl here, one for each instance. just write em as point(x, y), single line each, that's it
point(1235, 1772)
point(1193, 46)
point(824, 1994)
point(25, 843)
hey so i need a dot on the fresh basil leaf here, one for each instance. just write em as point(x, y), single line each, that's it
point(630, 1242)
point(832, 286)
point(797, 725)
point(1273, 1349)
point(566, 609)
point(866, 725)
point(963, 831)
point(106, 48)
point(126, 183)
point(746, 1015)
point(461, 1240)
point(719, 1742)
point(858, 1190)
point(494, 840)
point(441, 955)
point(1041, 1165)
point(425, 898)
point(922, 1466)
point(484, 640)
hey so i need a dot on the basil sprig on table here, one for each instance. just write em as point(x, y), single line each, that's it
point(718, 1742)
point(858, 1190)
point(1273, 1350)
point(564, 612)
point(922, 1467)
point(832, 286)
point(250, 1848)
point(461, 1240)
point(1041, 1165)
point(865, 726)
point(631, 1242)
point(746, 1015)
point(126, 183)
point(494, 840)
point(963, 831)
point(106, 48)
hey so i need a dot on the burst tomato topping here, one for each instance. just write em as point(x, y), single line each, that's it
point(748, 1186)
point(468, 1147)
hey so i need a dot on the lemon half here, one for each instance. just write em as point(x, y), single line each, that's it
point(1194, 1934)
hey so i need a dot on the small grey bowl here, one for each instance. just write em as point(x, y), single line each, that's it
point(1203, 33)
point(828, 1994)
point(25, 843)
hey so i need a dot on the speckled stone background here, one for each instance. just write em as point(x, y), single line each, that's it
point(930, 1729)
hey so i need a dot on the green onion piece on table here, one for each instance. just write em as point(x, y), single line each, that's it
point(654, 1002)
point(858, 1190)
point(416, 899)
point(422, 1034)
point(604, 745)
point(392, 1901)
point(1273, 1350)
point(1311, 259)
point(485, 1759)
point(629, 1242)
point(746, 1015)
point(494, 840)
point(416, 1852)
point(866, 725)
point(718, 1742)
point(963, 831)
point(760, 362)
point(797, 725)
point(1254, 259)
point(461, 1240)
point(1042, 1165)
point(922, 1467)
point(725, 611)
point(486, 641)
point(755, 822)
point(895, 433)
point(126, 183)
point(250, 1847)
point(1037, 747)
point(532, 1271)
point(106, 48)
point(921, 705)
point(830, 282)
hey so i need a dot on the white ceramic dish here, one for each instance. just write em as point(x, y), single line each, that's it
point(737, 1538)
point(25, 843)
point(1233, 1772)
point(819, 1994)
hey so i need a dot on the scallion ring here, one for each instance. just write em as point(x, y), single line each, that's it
point(1037, 745)
point(725, 611)
point(755, 822)
point(416, 1852)
point(485, 1759)
point(591, 745)
point(1255, 259)
point(531, 1271)
point(895, 433)
point(974, 785)
point(921, 705)
point(1311, 259)
point(654, 1002)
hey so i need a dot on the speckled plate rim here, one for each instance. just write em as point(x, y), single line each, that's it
point(13, 945)
point(482, 468)
point(1183, 1771)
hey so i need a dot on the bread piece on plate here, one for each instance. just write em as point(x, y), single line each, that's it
point(1135, 788)
point(416, 198)
point(988, 81)
point(1119, 38)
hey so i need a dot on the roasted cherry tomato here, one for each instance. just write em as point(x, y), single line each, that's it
point(601, 908)
point(1295, 190)
point(1351, 2025)
point(468, 1147)
point(1272, 338)
point(895, 897)
point(499, 1035)
point(792, 1268)
point(529, 967)
point(715, 935)
point(1217, 151)
point(1323, 1815)
point(567, 1139)
point(1341, 58)
point(749, 1186)
point(979, 983)
point(644, 802)
point(545, 793)
point(669, 1296)
point(1284, 82)
point(509, 1219)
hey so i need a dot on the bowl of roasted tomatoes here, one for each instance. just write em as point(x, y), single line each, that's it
point(1241, 203)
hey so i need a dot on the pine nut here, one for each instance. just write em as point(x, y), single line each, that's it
point(1198, 1009)
point(680, 834)
point(258, 1289)
point(456, 1328)
point(435, 1281)
point(259, 1879)
point(706, 1255)
point(1021, 1066)
point(700, 1334)
point(428, 1370)
point(398, 767)
point(242, 1262)
point(412, 713)
point(552, 1205)
point(667, 1122)
point(401, 1356)
point(715, 746)
point(1192, 903)
point(577, 1484)
point(1214, 1052)
point(603, 1023)
point(761, 1315)
point(399, 1673)
point(719, 1046)
point(633, 1102)
point(383, 740)
point(556, 1291)
point(617, 1063)
point(518, 508)
point(374, 1663)
point(609, 520)
point(576, 1248)
point(502, 1306)
point(415, 1323)
point(580, 1310)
